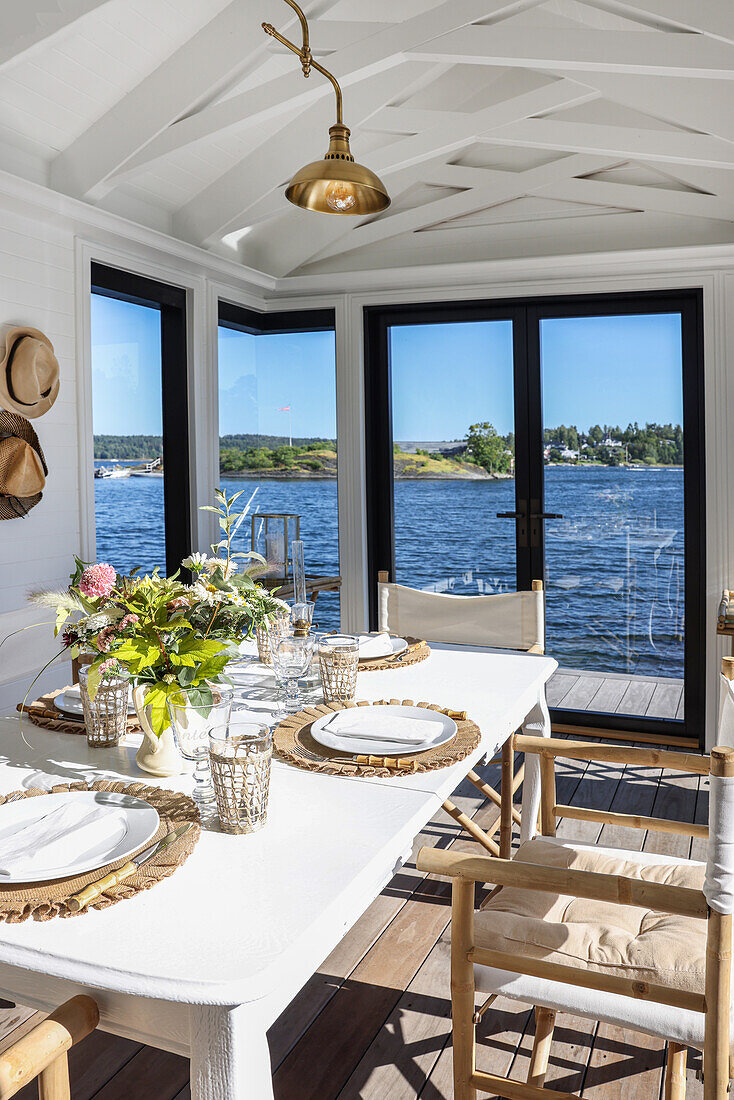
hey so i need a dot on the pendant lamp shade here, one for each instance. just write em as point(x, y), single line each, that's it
point(337, 184)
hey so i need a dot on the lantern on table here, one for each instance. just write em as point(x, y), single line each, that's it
point(272, 535)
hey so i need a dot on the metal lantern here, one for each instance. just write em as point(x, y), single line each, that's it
point(272, 535)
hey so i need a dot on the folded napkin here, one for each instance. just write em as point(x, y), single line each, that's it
point(410, 731)
point(374, 645)
point(62, 836)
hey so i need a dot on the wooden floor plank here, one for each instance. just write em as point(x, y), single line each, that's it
point(609, 695)
point(557, 687)
point(664, 701)
point(624, 1065)
point(636, 698)
point(582, 695)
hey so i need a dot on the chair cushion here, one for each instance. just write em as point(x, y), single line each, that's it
point(619, 940)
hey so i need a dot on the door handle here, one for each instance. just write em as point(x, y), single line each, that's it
point(521, 520)
point(546, 515)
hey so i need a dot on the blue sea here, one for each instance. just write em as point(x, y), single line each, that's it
point(614, 563)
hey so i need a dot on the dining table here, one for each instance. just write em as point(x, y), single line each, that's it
point(205, 961)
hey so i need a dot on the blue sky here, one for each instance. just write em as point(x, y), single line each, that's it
point(609, 370)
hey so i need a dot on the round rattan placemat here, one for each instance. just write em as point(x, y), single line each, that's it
point(45, 900)
point(401, 660)
point(293, 743)
point(42, 712)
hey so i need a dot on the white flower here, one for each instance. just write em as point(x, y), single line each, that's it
point(195, 562)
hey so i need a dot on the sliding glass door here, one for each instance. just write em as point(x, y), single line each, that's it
point(545, 440)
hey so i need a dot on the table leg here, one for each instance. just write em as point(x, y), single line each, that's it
point(230, 1059)
point(538, 724)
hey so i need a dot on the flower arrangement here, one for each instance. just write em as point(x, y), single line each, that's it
point(166, 634)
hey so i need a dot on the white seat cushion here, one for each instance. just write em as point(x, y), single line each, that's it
point(613, 939)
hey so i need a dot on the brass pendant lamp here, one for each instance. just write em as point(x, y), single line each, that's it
point(336, 184)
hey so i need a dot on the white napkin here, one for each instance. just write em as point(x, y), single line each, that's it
point(374, 645)
point(412, 731)
point(62, 836)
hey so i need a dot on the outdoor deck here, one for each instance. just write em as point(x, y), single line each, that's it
point(374, 1022)
point(616, 693)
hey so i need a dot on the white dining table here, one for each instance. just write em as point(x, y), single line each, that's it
point(203, 963)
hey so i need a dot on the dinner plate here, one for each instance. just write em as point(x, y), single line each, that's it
point(70, 702)
point(138, 822)
point(399, 645)
point(369, 717)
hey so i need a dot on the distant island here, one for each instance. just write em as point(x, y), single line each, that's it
point(483, 454)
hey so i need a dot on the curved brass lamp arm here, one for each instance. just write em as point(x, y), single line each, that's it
point(307, 60)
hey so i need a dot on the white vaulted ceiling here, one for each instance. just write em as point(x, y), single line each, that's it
point(502, 128)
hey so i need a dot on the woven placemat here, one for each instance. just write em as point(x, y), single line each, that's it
point(42, 712)
point(400, 660)
point(45, 900)
point(293, 743)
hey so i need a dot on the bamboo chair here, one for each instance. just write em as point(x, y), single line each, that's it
point(670, 978)
point(509, 620)
point(42, 1052)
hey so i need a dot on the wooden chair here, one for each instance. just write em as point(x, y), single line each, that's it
point(507, 620)
point(42, 1052)
point(656, 930)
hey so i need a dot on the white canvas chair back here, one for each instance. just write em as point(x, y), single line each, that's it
point(510, 620)
point(719, 883)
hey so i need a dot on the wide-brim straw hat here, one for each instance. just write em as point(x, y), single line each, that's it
point(29, 373)
point(22, 466)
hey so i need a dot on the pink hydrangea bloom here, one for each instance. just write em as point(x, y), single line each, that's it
point(97, 581)
point(128, 620)
point(180, 601)
point(104, 639)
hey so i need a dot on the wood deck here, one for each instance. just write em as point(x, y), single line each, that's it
point(616, 693)
point(374, 1024)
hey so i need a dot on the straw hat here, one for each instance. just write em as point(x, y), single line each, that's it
point(29, 373)
point(22, 466)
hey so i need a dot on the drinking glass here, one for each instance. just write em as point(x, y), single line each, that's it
point(302, 617)
point(291, 660)
point(339, 661)
point(105, 716)
point(191, 721)
point(240, 752)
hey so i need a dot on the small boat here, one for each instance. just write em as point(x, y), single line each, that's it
point(112, 471)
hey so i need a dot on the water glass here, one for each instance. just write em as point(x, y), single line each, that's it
point(339, 661)
point(240, 753)
point(269, 633)
point(192, 719)
point(105, 716)
point(291, 661)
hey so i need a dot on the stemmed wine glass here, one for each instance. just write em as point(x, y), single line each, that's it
point(192, 717)
point(291, 661)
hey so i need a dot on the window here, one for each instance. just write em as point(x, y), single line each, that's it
point(277, 429)
point(140, 421)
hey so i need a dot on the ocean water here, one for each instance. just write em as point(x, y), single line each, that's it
point(614, 563)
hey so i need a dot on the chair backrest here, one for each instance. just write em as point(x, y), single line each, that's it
point(509, 620)
point(719, 883)
point(42, 1052)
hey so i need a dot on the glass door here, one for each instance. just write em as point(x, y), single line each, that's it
point(614, 493)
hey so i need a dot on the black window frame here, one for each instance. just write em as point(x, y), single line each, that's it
point(529, 466)
point(172, 304)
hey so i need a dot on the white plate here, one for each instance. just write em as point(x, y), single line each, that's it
point(330, 738)
point(70, 702)
point(399, 645)
point(140, 823)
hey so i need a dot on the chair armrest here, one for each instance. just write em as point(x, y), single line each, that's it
point(31, 1055)
point(617, 754)
point(616, 889)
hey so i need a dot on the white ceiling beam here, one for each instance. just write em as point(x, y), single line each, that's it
point(28, 23)
point(503, 187)
point(622, 141)
point(583, 50)
point(292, 250)
point(706, 16)
point(687, 204)
point(449, 135)
point(377, 53)
point(330, 35)
point(204, 65)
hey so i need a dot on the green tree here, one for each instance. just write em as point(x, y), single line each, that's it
point(487, 448)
